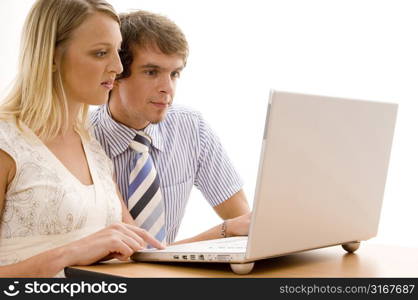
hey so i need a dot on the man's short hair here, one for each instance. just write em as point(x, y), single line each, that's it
point(142, 29)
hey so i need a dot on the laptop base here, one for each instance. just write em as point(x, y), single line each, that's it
point(242, 269)
point(246, 268)
point(351, 247)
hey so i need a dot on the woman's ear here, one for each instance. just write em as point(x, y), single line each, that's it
point(58, 54)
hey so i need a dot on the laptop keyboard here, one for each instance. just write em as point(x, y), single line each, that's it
point(236, 244)
point(233, 244)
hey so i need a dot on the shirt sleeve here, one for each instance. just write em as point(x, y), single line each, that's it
point(216, 177)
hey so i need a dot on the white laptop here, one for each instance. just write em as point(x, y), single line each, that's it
point(321, 181)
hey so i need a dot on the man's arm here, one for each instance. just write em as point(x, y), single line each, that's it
point(236, 213)
point(233, 207)
point(221, 185)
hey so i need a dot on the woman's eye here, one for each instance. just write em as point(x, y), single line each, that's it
point(101, 53)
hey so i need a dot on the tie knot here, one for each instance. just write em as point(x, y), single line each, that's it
point(141, 142)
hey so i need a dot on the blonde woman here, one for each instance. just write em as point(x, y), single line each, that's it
point(58, 202)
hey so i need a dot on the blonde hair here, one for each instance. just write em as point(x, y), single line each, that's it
point(37, 97)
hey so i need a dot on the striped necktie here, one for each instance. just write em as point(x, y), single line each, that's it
point(145, 201)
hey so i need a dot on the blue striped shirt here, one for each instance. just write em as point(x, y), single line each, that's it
point(185, 151)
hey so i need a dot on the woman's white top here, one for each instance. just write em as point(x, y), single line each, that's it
point(45, 205)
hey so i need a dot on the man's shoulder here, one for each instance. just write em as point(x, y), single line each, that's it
point(182, 114)
point(183, 111)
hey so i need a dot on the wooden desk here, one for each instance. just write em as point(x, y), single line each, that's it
point(369, 261)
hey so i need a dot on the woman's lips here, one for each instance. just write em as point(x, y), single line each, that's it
point(107, 84)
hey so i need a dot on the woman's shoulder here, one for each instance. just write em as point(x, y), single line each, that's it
point(99, 155)
point(94, 143)
point(7, 123)
point(14, 139)
point(8, 129)
point(8, 151)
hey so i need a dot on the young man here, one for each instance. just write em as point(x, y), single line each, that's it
point(160, 151)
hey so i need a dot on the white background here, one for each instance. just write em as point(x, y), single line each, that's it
point(240, 49)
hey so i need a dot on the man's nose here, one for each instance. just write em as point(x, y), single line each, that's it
point(167, 85)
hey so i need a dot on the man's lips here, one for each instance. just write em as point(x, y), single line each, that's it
point(161, 104)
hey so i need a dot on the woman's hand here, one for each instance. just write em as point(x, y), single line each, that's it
point(118, 240)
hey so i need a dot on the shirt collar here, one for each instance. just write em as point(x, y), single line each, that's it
point(154, 131)
point(119, 136)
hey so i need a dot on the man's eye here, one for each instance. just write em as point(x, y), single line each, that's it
point(175, 74)
point(150, 72)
